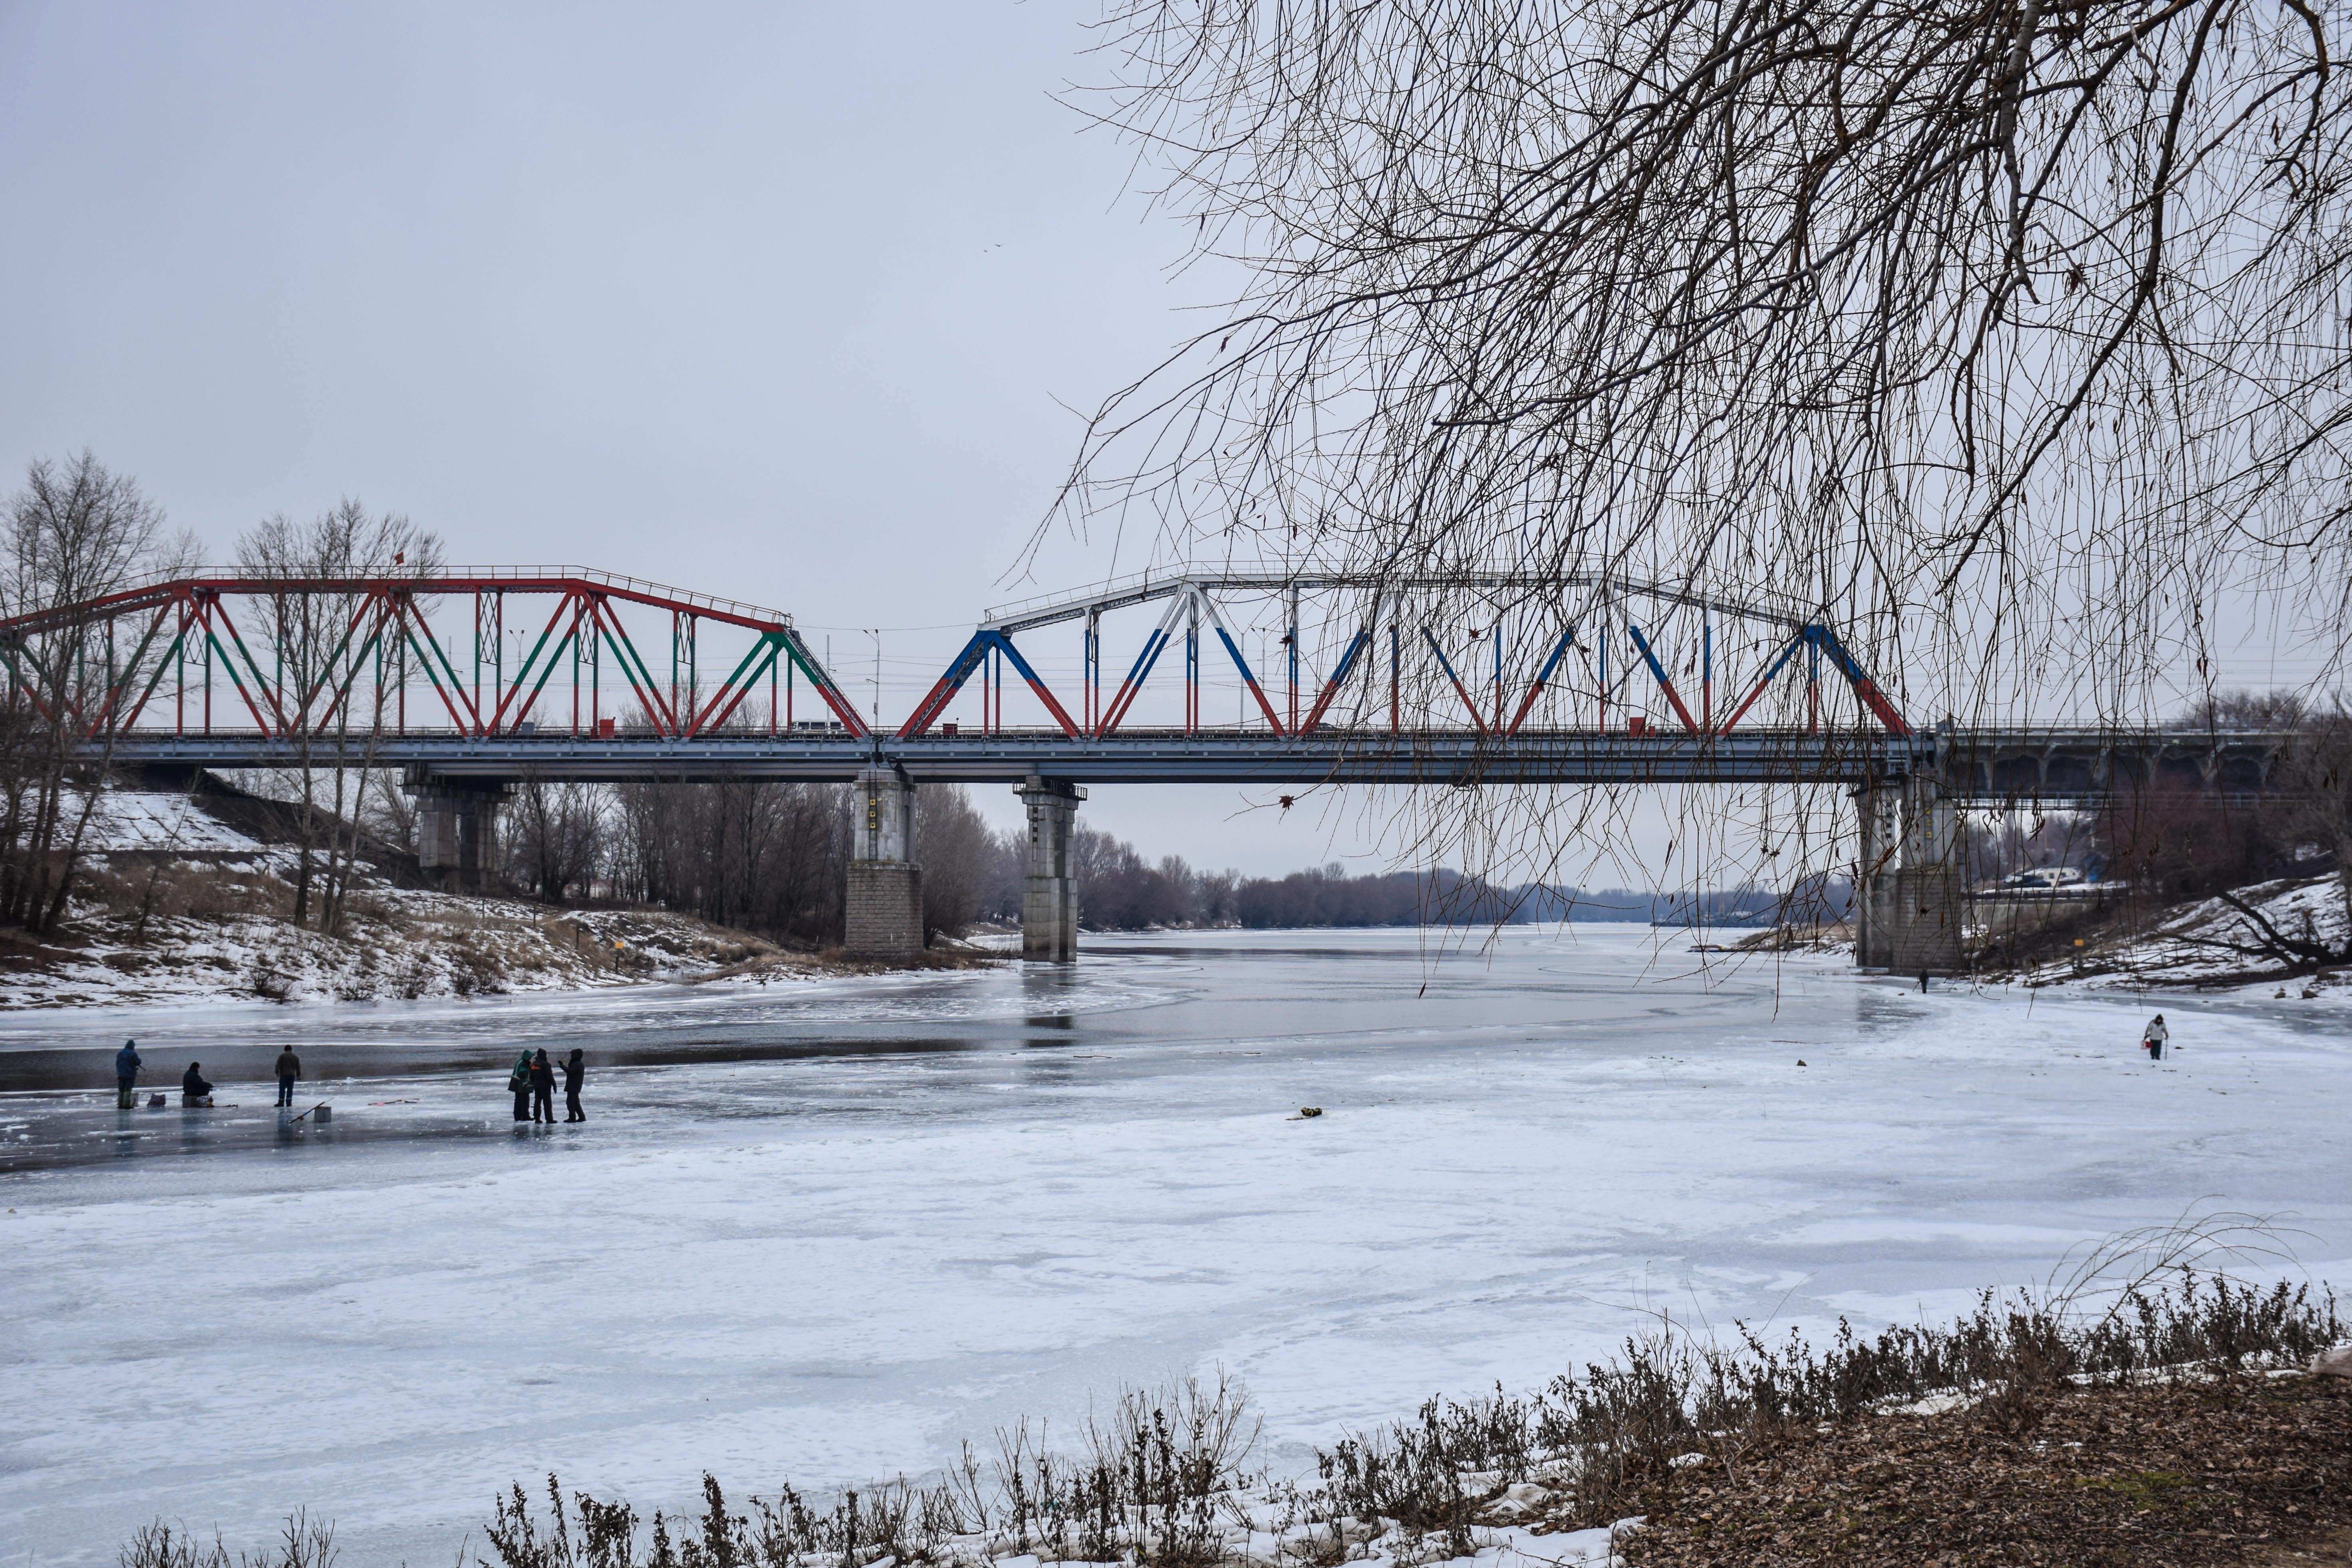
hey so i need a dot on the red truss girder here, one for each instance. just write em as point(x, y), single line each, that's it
point(387, 623)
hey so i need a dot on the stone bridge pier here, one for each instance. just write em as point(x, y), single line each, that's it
point(456, 830)
point(884, 914)
point(1909, 897)
point(1049, 905)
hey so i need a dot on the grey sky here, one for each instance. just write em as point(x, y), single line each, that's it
point(790, 304)
point(785, 303)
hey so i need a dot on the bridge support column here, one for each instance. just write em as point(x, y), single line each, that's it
point(1049, 906)
point(457, 831)
point(884, 916)
point(1873, 862)
point(1925, 906)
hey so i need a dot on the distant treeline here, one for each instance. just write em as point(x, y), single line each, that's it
point(773, 857)
point(1329, 897)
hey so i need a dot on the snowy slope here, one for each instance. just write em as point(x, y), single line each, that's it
point(396, 944)
point(173, 906)
point(129, 820)
point(2214, 944)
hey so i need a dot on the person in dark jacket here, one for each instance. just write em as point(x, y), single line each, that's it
point(542, 1087)
point(289, 1067)
point(126, 1074)
point(519, 1081)
point(574, 1070)
point(193, 1089)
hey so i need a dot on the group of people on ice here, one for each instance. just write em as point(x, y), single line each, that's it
point(532, 1083)
point(195, 1088)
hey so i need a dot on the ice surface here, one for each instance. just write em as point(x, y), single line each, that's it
point(827, 1235)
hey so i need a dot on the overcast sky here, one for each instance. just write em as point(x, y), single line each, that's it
point(793, 304)
point(788, 303)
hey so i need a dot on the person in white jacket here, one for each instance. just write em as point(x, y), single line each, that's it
point(2153, 1036)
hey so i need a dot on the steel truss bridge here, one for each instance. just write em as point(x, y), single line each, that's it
point(498, 674)
point(473, 681)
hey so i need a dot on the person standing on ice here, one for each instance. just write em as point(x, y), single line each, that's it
point(289, 1067)
point(542, 1087)
point(2153, 1036)
point(518, 1082)
point(126, 1074)
point(574, 1070)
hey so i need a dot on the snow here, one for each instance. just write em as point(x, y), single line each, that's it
point(396, 943)
point(2200, 944)
point(129, 820)
point(176, 908)
point(825, 1235)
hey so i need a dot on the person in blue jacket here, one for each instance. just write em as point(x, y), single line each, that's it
point(126, 1074)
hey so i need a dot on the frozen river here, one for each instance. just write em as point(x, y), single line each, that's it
point(826, 1231)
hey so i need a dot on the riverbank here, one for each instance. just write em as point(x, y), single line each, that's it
point(2143, 1410)
point(2287, 937)
point(189, 898)
point(2285, 940)
point(399, 944)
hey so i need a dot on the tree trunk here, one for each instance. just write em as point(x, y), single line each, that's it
point(306, 838)
point(57, 908)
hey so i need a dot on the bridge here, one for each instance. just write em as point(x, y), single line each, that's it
point(470, 681)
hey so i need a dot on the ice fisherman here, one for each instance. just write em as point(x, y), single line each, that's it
point(519, 1083)
point(126, 1074)
point(193, 1088)
point(574, 1070)
point(2153, 1036)
point(542, 1087)
point(289, 1067)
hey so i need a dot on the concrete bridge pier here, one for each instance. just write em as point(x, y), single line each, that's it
point(456, 830)
point(1874, 807)
point(885, 915)
point(1909, 905)
point(1049, 905)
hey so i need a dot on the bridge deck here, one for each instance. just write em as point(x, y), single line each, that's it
point(2053, 765)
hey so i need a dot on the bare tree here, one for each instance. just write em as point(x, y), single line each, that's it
point(76, 530)
point(2316, 793)
point(331, 645)
point(389, 814)
point(1904, 300)
point(2222, 710)
point(766, 856)
point(2009, 335)
point(557, 838)
point(958, 852)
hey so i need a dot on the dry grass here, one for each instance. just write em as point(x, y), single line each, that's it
point(2193, 1474)
point(1774, 1448)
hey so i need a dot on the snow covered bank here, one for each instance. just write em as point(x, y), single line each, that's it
point(2280, 939)
point(394, 944)
point(174, 906)
point(156, 821)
